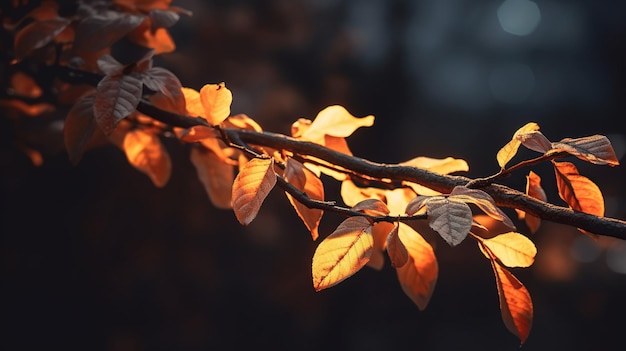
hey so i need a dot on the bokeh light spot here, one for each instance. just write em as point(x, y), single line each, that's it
point(519, 17)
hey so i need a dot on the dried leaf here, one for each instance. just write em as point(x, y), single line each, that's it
point(512, 249)
point(535, 140)
point(508, 151)
point(216, 100)
point(37, 35)
point(580, 193)
point(596, 149)
point(419, 275)
point(79, 127)
point(396, 250)
point(440, 166)
point(252, 185)
point(216, 176)
point(307, 182)
point(452, 220)
point(342, 253)
point(335, 121)
point(117, 96)
point(146, 153)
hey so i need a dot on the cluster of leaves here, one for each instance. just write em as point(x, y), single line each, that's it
point(134, 105)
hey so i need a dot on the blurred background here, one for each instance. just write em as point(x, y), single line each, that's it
point(96, 258)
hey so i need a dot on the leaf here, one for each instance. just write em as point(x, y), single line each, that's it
point(533, 189)
point(396, 250)
point(352, 194)
point(397, 200)
point(252, 185)
point(117, 96)
point(161, 80)
point(146, 153)
point(508, 151)
point(162, 18)
point(100, 31)
point(440, 166)
point(451, 219)
point(373, 207)
point(512, 249)
point(193, 103)
point(342, 253)
point(158, 39)
point(484, 201)
point(216, 176)
point(307, 182)
point(580, 193)
point(516, 305)
point(109, 65)
point(596, 149)
point(242, 121)
point(335, 121)
point(535, 140)
point(216, 100)
point(419, 275)
point(380, 232)
point(37, 35)
point(79, 127)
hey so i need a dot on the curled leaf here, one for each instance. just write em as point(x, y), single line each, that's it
point(508, 151)
point(596, 149)
point(335, 121)
point(534, 140)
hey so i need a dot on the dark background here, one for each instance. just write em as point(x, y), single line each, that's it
point(96, 258)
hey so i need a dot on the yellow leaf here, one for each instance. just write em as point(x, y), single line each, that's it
point(352, 194)
point(396, 250)
point(419, 275)
point(216, 100)
point(146, 153)
point(342, 253)
point(441, 166)
point(192, 102)
point(335, 121)
point(580, 193)
point(242, 121)
point(512, 249)
point(509, 150)
point(380, 231)
point(216, 176)
point(252, 185)
point(397, 200)
point(306, 181)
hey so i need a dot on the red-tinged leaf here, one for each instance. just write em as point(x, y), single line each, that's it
point(372, 207)
point(307, 182)
point(535, 141)
point(508, 151)
point(37, 35)
point(216, 176)
point(396, 250)
point(100, 31)
point(216, 100)
point(441, 166)
point(342, 253)
point(335, 121)
point(580, 193)
point(452, 220)
point(252, 185)
point(533, 189)
point(596, 149)
point(419, 275)
point(163, 18)
point(516, 305)
point(79, 127)
point(146, 153)
point(484, 201)
point(161, 80)
point(512, 249)
point(117, 97)
point(380, 232)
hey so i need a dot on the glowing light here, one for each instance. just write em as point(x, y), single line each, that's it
point(519, 17)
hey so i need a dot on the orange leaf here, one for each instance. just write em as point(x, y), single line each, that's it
point(512, 249)
point(216, 100)
point(306, 181)
point(37, 35)
point(397, 200)
point(216, 176)
point(533, 189)
point(580, 193)
point(146, 153)
point(335, 121)
point(242, 121)
point(419, 275)
point(595, 149)
point(396, 250)
point(508, 151)
point(193, 103)
point(380, 232)
point(352, 194)
point(252, 185)
point(516, 305)
point(342, 253)
point(79, 127)
point(373, 207)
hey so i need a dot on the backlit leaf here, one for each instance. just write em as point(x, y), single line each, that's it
point(335, 121)
point(216, 100)
point(516, 305)
point(512, 249)
point(595, 149)
point(484, 201)
point(441, 166)
point(374, 207)
point(37, 35)
point(307, 182)
point(508, 151)
point(580, 193)
point(216, 176)
point(252, 185)
point(380, 232)
point(242, 121)
point(193, 103)
point(352, 194)
point(535, 140)
point(146, 153)
point(342, 253)
point(79, 127)
point(117, 96)
point(452, 220)
point(396, 250)
point(158, 39)
point(397, 200)
point(533, 189)
point(419, 275)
